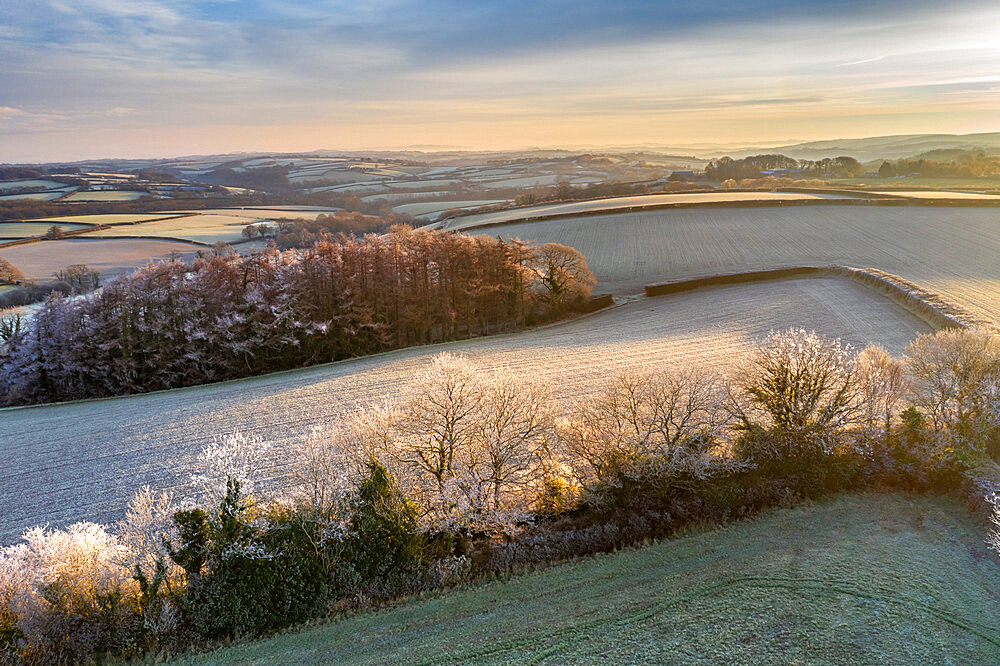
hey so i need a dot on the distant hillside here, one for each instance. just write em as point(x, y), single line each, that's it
point(888, 147)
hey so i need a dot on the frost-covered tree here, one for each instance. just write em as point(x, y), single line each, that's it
point(799, 388)
point(954, 378)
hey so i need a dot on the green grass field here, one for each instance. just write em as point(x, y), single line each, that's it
point(856, 579)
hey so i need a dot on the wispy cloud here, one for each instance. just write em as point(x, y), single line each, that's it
point(334, 72)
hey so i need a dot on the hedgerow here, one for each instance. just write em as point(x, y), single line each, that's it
point(474, 474)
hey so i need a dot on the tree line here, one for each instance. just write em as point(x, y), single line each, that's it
point(972, 167)
point(727, 168)
point(172, 324)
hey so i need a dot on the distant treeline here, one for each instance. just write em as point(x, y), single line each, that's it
point(226, 316)
point(978, 166)
point(726, 168)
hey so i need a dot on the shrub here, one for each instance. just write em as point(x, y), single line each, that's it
point(384, 546)
point(247, 574)
point(65, 597)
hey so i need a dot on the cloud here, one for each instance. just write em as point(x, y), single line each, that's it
point(79, 66)
point(860, 62)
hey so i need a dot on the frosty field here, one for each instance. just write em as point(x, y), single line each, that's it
point(11, 230)
point(943, 195)
point(111, 218)
point(954, 252)
point(109, 256)
point(567, 208)
point(291, 213)
point(207, 229)
point(426, 208)
point(852, 579)
point(84, 460)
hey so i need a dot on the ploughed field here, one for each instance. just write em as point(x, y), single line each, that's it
point(852, 579)
point(954, 252)
point(85, 460)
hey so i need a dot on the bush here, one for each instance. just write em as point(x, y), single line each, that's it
point(792, 396)
point(384, 546)
point(259, 575)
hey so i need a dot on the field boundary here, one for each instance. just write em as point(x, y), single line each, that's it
point(159, 238)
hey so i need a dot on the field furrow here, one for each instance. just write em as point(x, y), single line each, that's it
point(954, 252)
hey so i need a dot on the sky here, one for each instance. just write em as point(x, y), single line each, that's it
point(84, 79)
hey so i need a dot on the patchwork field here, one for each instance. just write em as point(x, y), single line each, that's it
point(853, 579)
point(39, 261)
point(8, 185)
point(93, 455)
point(570, 207)
point(10, 230)
point(952, 251)
point(207, 229)
point(35, 196)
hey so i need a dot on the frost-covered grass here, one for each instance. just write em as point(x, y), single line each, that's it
point(612, 203)
point(865, 578)
point(206, 229)
point(950, 251)
point(34, 196)
point(112, 218)
point(8, 185)
point(29, 229)
point(154, 439)
point(108, 256)
point(289, 213)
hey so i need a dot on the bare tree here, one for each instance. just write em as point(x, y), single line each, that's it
point(881, 384)
point(563, 272)
point(954, 377)
point(643, 421)
point(9, 274)
point(441, 419)
point(512, 419)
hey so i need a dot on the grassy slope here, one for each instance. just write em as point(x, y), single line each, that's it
point(878, 579)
